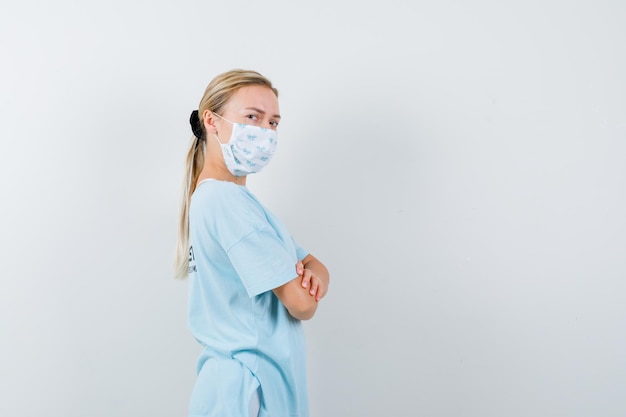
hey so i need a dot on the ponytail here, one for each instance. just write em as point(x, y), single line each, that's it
point(193, 166)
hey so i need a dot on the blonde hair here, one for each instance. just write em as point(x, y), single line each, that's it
point(215, 97)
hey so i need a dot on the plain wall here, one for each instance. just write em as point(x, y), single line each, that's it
point(459, 167)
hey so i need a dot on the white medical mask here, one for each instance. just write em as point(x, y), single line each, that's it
point(249, 149)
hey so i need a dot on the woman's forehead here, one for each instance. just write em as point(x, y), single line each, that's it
point(255, 96)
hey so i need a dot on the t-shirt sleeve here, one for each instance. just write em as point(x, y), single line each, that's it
point(301, 253)
point(263, 261)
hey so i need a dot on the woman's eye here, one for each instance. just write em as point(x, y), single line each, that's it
point(252, 117)
point(274, 123)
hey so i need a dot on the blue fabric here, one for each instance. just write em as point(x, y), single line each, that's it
point(239, 253)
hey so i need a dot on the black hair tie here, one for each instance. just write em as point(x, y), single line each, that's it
point(196, 127)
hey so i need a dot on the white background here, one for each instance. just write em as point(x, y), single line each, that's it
point(459, 167)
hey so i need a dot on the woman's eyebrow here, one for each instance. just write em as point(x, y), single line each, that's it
point(276, 116)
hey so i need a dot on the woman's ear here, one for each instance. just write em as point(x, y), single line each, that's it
point(208, 119)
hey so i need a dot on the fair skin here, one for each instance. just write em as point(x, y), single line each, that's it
point(302, 294)
point(258, 105)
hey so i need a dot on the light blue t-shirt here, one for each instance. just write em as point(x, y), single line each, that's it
point(239, 253)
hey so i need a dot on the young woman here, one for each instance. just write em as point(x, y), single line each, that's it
point(250, 283)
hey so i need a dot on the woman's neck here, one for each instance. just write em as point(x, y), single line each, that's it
point(220, 173)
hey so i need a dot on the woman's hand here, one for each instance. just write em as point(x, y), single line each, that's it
point(317, 287)
point(301, 295)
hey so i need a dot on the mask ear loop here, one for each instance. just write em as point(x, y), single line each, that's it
point(215, 134)
point(223, 118)
point(196, 126)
